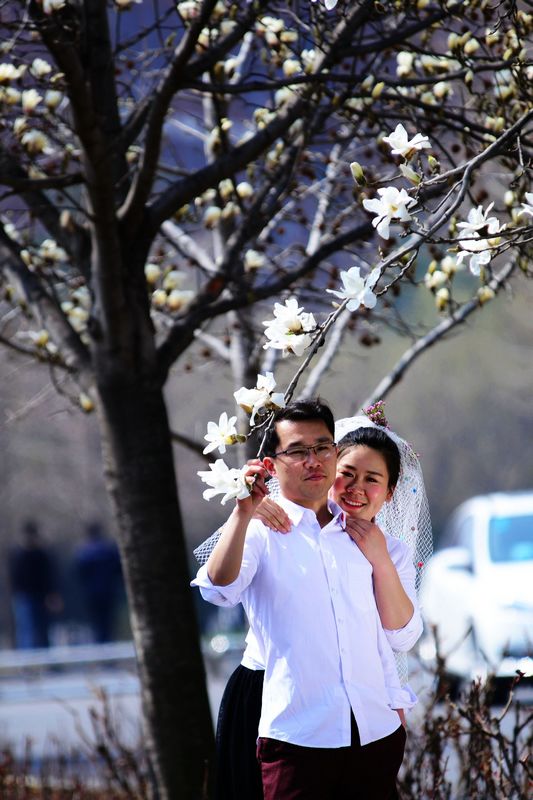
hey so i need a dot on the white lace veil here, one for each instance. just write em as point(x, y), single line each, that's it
point(406, 514)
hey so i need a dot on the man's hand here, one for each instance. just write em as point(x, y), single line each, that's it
point(255, 478)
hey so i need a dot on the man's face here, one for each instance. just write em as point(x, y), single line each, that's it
point(307, 480)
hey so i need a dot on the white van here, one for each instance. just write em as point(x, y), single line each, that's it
point(478, 589)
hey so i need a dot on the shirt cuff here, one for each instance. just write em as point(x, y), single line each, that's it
point(403, 639)
point(402, 698)
point(228, 595)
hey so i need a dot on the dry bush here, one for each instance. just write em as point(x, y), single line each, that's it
point(468, 749)
point(457, 751)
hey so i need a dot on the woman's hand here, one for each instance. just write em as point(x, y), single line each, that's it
point(273, 516)
point(369, 539)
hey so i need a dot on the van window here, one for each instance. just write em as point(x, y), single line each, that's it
point(464, 533)
point(511, 538)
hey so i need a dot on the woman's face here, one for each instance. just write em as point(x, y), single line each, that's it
point(362, 482)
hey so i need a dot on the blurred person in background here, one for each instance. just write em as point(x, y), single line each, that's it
point(34, 593)
point(98, 570)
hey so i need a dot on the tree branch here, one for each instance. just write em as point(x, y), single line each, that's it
point(438, 332)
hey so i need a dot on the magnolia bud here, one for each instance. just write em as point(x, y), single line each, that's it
point(484, 294)
point(358, 173)
point(377, 90)
point(433, 164)
point(85, 402)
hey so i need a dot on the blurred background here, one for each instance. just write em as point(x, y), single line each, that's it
point(465, 406)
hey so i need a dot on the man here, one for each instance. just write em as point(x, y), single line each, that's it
point(326, 728)
point(98, 570)
point(33, 583)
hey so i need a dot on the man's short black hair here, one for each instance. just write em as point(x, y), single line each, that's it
point(299, 411)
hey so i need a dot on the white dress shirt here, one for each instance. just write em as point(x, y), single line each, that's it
point(309, 599)
point(401, 639)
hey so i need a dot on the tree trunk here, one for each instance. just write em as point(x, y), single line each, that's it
point(141, 479)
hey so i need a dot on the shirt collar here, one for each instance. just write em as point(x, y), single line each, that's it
point(296, 512)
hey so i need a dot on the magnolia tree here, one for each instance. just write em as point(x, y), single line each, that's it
point(169, 171)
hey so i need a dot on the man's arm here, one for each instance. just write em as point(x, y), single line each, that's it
point(224, 563)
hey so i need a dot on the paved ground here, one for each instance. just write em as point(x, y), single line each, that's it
point(50, 708)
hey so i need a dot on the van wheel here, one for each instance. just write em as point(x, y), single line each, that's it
point(498, 691)
point(451, 686)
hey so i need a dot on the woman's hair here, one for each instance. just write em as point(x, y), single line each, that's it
point(378, 440)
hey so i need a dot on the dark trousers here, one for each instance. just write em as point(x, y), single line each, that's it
point(292, 772)
point(237, 775)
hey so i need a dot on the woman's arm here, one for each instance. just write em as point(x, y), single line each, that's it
point(394, 605)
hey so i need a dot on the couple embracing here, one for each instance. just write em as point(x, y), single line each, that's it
point(327, 598)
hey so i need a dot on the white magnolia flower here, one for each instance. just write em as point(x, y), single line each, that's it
point(179, 299)
point(220, 435)
point(263, 397)
point(9, 72)
point(82, 296)
point(189, 9)
point(287, 342)
point(39, 338)
point(35, 142)
point(393, 204)
point(527, 207)
point(358, 289)
point(449, 266)
point(481, 236)
point(50, 250)
point(442, 298)
point(223, 480)
point(400, 143)
point(484, 294)
point(152, 273)
point(225, 188)
point(291, 330)
point(478, 221)
point(78, 318)
point(159, 298)
point(253, 259)
point(30, 99)
point(49, 6)
point(405, 63)
point(212, 216)
point(328, 3)
point(291, 66)
point(436, 279)
point(52, 99)
point(10, 96)
point(40, 68)
point(244, 190)
point(173, 280)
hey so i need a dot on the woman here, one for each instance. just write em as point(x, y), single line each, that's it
point(378, 478)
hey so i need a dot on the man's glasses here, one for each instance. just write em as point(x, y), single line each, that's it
point(322, 451)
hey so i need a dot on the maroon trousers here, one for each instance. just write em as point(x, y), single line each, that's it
point(292, 772)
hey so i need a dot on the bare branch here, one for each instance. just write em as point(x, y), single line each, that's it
point(331, 348)
point(431, 338)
